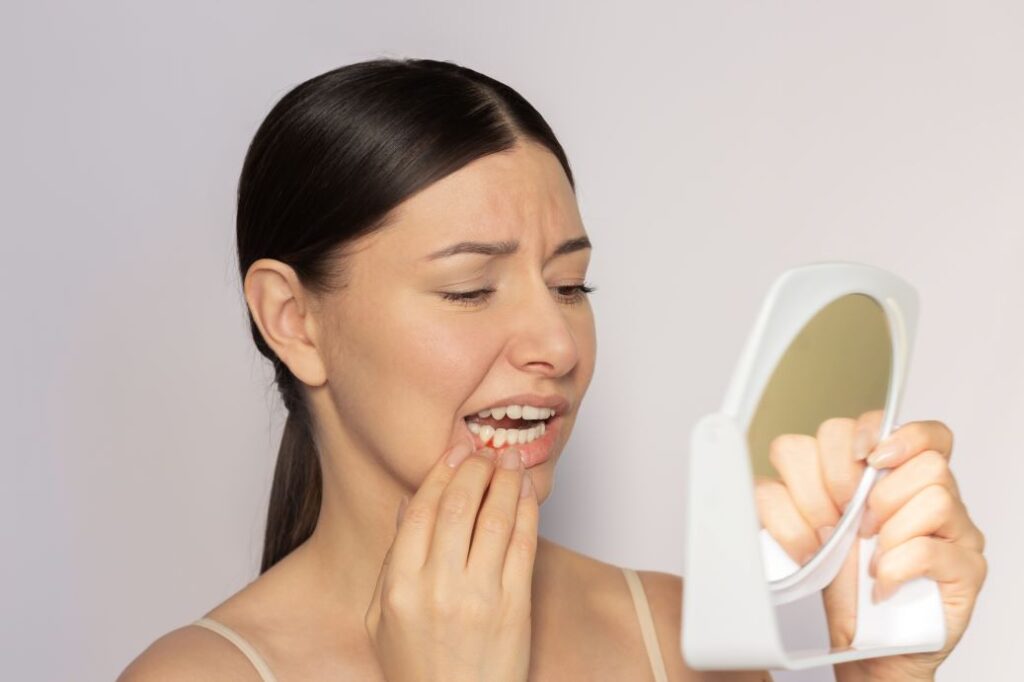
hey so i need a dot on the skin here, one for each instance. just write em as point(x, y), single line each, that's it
point(916, 511)
point(389, 368)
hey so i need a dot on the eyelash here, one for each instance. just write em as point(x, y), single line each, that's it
point(472, 298)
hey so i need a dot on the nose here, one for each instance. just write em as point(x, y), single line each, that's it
point(543, 341)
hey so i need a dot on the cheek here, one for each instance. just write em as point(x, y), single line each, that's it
point(447, 360)
point(400, 380)
point(422, 363)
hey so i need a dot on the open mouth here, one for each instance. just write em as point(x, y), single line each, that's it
point(510, 426)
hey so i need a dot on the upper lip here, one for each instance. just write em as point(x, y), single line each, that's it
point(555, 401)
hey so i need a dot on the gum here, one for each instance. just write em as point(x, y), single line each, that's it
point(533, 453)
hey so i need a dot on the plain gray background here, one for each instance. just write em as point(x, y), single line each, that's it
point(715, 145)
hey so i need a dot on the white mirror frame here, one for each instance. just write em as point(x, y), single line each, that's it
point(729, 616)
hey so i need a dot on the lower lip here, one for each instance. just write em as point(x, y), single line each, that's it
point(533, 453)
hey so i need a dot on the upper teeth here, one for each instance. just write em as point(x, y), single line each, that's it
point(517, 412)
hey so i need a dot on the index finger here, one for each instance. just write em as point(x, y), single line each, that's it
point(412, 542)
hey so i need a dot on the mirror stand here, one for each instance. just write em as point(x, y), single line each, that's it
point(730, 620)
point(832, 340)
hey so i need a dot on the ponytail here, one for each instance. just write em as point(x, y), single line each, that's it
point(297, 488)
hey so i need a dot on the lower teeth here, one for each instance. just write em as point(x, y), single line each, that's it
point(500, 437)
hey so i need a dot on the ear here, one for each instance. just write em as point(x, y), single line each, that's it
point(282, 309)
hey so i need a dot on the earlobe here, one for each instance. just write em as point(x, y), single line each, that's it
point(280, 308)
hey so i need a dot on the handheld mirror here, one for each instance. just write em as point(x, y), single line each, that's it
point(827, 359)
point(832, 381)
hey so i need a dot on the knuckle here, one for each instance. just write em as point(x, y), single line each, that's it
point(889, 567)
point(455, 503)
point(941, 500)
point(394, 600)
point(836, 426)
point(949, 481)
point(913, 430)
point(895, 564)
point(888, 571)
point(441, 605)
point(930, 430)
point(885, 538)
point(943, 428)
point(494, 522)
point(871, 416)
point(787, 447)
point(936, 469)
point(883, 570)
point(417, 515)
point(767, 490)
point(934, 464)
point(789, 537)
point(921, 552)
point(973, 537)
point(880, 501)
point(982, 568)
point(523, 542)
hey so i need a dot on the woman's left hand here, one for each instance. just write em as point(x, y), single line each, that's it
point(923, 530)
point(922, 525)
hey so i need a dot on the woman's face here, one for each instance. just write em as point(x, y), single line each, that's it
point(406, 366)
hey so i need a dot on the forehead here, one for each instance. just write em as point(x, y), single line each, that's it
point(508, 195)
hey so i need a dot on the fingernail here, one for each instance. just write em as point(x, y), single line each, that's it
point(489, 453)
point(510, 458)
point(861, 444)
point(873, 565)
point(527, 485)
point(458, 453)
point(867, 524)
point(886, 452)
point(825, 532)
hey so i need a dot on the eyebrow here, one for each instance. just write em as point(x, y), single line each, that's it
point(505, 248)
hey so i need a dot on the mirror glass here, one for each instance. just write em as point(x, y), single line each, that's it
point(832, 381)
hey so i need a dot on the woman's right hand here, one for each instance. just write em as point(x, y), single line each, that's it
point(453, 597)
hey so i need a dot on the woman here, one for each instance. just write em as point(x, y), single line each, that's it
point(414, 265)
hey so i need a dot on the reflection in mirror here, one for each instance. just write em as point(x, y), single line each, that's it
point(839, 365)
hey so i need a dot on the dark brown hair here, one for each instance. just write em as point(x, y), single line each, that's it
point(329, 163)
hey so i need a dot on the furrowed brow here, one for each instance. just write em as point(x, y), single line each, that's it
point(505, 248)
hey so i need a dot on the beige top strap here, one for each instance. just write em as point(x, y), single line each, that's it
point(643, 612)
point(250, 652)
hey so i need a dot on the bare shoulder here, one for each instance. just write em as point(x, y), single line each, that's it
point(190, 654)
point(603, 595)
point(665, 597)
